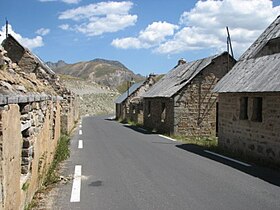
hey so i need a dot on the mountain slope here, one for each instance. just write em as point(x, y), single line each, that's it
point(105, 72)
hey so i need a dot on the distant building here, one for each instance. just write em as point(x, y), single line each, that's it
point(129, 105)
point(182, 103)
point(249, 99)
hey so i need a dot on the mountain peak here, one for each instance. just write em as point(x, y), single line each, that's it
point(105, 72)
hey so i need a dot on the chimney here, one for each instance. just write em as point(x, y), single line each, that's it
point(181, 61)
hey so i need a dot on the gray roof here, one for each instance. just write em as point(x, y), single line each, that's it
point(177, 78)
point(271, 32)
point(132, 89)
point(253, 75)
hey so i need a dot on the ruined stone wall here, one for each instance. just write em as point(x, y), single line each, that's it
point(159, 114)
point(134, 111)
point(257, 139)
point(69, 114)
point(195, 104)
point(29, 135)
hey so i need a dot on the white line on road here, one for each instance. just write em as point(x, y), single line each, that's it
point(76, 187)
point(80, 145)
point(80, 126)
point(227, 158)
point(80, 132)
point(166, 137)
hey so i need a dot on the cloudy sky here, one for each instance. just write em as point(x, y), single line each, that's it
point(145, 35)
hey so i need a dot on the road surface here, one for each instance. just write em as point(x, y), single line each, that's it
point(121, 168)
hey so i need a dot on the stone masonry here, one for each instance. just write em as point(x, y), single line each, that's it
point(257, 139)
point(192, 110)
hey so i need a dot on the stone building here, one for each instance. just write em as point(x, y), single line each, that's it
point(182, 103)
point(129, 105)
point(249, 99)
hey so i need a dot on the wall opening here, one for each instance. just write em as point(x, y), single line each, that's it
point(243, 115)
point(163, 112)
point(257, 109)
point(149, 108)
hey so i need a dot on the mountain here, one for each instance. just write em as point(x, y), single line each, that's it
point(59, 63)
point(104, 72)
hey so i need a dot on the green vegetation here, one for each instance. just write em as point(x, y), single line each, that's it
point(31, 205)
point(68, 77)
point(102, 71)
point(25, 186)
point(61, 154)
point(210, 142)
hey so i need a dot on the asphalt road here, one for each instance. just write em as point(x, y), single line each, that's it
point(126, 169)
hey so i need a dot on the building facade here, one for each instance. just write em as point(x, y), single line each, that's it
point(182, 103)
point(129, 105)
point(249, 102)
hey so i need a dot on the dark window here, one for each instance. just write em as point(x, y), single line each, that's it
point(243, 115)
point(257, 109)
point(163, 112)
point(149, 108)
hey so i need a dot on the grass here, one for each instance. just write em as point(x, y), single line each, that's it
point(25, 186)
point(210, 142)
point(31, 205)
point(61, 154)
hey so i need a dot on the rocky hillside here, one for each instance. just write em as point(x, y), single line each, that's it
point(59, 63)
point(104, 72)
point(94, 99)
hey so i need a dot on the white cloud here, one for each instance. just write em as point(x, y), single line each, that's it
point(153, 35)
point(64, 26)
point(71, 1)
point(30, 43)
point(99, 18)
point(204, 26)
point(65, 1)
point(43, 31)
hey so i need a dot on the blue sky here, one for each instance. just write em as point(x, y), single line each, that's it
point(148, 36)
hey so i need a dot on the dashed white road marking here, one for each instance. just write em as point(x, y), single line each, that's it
point(227, 158)
point(80, 125)
point(80, 132)
point(80, 144)
point(76, 187)
point(166, 137)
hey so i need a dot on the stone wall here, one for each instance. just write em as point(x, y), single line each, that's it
point(257, 139)
point(195, 104)
point(69, 114)
point(29, 135)
point(192, 110)
point(126, 110)
point(159, 114)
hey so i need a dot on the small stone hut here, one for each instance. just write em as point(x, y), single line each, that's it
point(181, 103)
point(129, 105)
point(249, 99)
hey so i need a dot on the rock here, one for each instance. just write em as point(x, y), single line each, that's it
point(7, 85)
point(20, 88)
point(25, 109)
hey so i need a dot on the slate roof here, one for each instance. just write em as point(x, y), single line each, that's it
point(132, 89)
point(178, 77)
point(252, 73)
point(271, 32)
